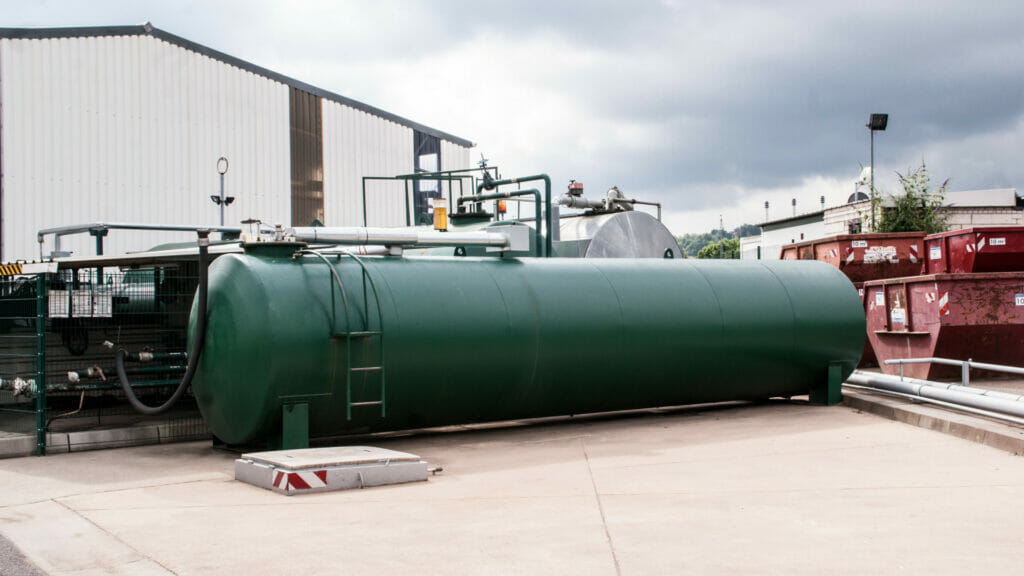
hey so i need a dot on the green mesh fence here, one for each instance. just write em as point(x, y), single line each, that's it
point(65, 328)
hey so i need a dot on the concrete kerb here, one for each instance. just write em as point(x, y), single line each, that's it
point(978, 429)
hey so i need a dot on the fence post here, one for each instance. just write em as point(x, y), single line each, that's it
point(40, 365)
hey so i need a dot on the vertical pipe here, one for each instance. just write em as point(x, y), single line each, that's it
point(407, 217)
point(40, 365)
point(99, 233)
point(364, 201)
point(547, 202)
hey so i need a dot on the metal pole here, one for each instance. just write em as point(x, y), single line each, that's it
point(872, 132)
point(221, 198)
point(408, 217)
point(40, 365)
point(99, 233)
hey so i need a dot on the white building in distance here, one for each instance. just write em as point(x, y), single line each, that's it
point(965, 209)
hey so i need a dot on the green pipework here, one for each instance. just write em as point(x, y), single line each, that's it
point(97, 386)
point(492, 184)
point(490, 339)
point(41, 365)
point(499, 195)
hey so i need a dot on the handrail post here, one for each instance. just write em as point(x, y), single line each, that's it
point(965, 373)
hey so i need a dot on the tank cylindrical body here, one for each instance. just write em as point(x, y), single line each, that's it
point(465, 340)
point(622, 234)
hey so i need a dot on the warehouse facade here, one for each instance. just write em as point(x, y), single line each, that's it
point(127, 124)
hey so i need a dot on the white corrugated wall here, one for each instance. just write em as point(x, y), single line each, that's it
point(358, 144)
point(454, 157)
point(129, 129)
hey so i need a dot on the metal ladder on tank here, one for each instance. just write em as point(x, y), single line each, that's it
point(365, 335)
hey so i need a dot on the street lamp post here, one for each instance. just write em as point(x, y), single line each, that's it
point(221, 200)
point(875, 122)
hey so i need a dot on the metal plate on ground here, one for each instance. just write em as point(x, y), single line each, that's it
point(325, 469)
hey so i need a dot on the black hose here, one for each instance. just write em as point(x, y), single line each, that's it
point(197, 341)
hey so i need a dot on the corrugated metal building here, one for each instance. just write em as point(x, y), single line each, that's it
point(126, 124)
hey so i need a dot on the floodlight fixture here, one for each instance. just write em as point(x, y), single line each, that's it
point(878, 121)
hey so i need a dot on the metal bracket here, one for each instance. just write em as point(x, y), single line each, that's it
point(831, 393)
point(518, 238)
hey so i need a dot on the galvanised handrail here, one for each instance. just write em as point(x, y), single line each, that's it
point(965, 366)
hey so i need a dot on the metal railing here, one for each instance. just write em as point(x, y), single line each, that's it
point(965, 366)
point(99, 230)
point(465, 178)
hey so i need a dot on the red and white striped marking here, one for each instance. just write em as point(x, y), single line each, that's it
point(929, 297)
point(289, 481)
point(849, 257)
point(981, 244)
point(913, 253)
point(943, 303)
point(833, 253)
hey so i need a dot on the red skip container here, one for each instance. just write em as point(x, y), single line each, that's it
point(995, 249)
point(865, 257)
point(959, 316)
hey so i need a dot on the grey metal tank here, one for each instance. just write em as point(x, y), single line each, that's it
point(619, 234)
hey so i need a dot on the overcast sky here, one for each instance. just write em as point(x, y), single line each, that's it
point(711, 108)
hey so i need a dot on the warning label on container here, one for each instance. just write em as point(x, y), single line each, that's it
point(859, 243)
point(997, 241)
point(879, 299)
point(876, 254)
point(1018, 300)
point(898, 315)
point(935, 252)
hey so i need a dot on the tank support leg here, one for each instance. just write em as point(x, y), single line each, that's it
point(295, 425)
point(831, 392)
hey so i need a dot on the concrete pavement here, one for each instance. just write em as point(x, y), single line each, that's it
point(777, 489)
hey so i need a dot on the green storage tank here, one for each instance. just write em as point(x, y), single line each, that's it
point(441, 341)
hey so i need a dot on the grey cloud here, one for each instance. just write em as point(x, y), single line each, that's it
point(739, 94)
